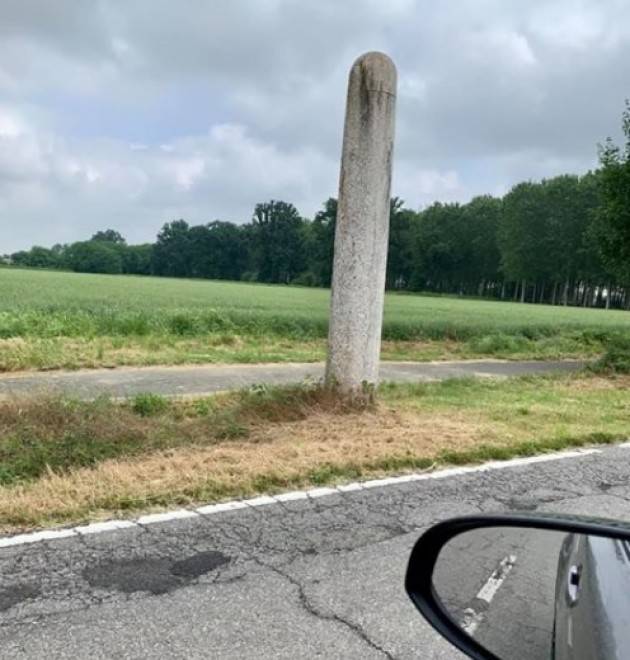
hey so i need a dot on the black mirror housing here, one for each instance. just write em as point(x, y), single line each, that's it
point(419, 582)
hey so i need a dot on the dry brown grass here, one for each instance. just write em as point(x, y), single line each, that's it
point(598, 383)
point(278, 454)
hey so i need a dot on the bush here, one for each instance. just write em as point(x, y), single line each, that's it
point(146, 404)
point(182, 324)
point(499, 343)
point(616, 359)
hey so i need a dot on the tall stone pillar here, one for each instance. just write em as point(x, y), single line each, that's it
point(358, 282)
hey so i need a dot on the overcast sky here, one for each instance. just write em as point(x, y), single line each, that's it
point(128, 114)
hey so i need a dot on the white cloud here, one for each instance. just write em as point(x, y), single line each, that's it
point(419, 187)
point(109, 183)
point(10, 125)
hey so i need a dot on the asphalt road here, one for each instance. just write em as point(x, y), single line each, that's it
point(207, 379)
point(312, 578)
point(516, 620)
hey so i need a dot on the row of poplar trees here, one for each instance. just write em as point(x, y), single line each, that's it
point(564, 240)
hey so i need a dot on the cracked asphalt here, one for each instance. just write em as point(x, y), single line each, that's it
point(302, 579)
point(191, 380)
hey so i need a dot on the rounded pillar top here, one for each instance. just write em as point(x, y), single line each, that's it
point(376, 71)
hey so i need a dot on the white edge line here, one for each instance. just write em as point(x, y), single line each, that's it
point(262, 500)
point(292, 496)
point(167, 516)
point(34, 537)
point(107, 526)
point(321, 492)
point(211, 509)
point(348, 488)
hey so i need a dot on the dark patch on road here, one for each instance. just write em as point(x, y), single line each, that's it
point(199, 564)
point(17, 594)
point(155, 576)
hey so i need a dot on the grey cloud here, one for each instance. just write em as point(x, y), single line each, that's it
point(491, 92)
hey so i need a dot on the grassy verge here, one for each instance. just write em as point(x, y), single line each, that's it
point(18, 354)
point(64, 460)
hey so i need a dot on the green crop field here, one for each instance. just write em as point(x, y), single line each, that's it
point(53, 319)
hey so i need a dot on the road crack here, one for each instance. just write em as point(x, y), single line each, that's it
point(313, 610)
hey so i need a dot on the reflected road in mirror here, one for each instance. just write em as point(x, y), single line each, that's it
point(538, 594)
point(499, 585)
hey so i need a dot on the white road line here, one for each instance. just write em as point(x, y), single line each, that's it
point(34, 537)
point(220, 507)
point(490, 588)
point(292, 496)
point(260, 501)
point(321, 492)
point(167, 516)
point(472, 619)
point(349, 488)
point(107, 526)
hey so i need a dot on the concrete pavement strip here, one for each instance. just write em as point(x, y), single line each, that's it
point(209, 379)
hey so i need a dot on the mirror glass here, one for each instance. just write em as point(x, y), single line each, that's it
point(537, 594)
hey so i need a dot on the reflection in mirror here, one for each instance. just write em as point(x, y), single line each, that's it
point(537, 594)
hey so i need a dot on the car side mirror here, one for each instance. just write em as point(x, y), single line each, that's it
point(516, 587)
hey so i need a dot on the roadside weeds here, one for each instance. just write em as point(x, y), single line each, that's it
point(67, 461)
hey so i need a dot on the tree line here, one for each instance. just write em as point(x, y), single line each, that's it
point(563, 240)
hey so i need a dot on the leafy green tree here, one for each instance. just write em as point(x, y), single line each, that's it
point(277, 242)
point(94, 257)
point(614, 212)
point(137, 259)
point(480, 265)
point(218, 251)
point(109, 236)
point(399, 249)
point(172, 250)
point(322, 242)
point(526, 237)
point(455, 247)
point(437, 249)
point(37, 257)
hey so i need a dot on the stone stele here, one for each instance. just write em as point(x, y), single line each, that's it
point(361, 235)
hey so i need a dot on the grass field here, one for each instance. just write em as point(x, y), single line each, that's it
point(64, 460)
point(65, 320)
